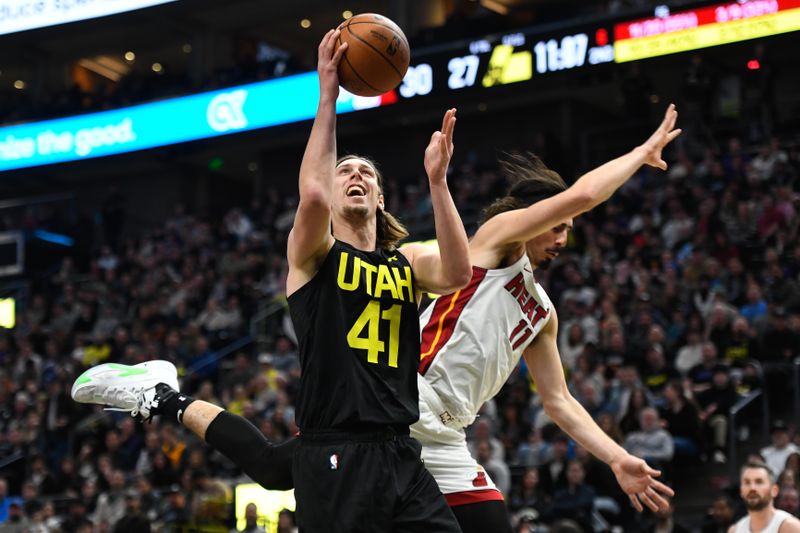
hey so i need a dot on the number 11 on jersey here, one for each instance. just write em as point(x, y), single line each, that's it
point(370, 319)
point(516, 338)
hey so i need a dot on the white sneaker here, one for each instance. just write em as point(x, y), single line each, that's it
point(123, 387)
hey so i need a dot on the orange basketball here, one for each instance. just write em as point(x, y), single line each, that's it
point(377, 55)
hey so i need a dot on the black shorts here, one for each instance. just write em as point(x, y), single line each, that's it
point(366, 482)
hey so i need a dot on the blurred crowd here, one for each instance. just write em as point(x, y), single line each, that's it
point(676, 299)
point(674, 302)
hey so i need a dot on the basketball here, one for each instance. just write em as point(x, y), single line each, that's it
point(377, 55)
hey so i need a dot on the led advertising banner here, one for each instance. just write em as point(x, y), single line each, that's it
point(200, 116)
point(704, 27)
point(21, 15)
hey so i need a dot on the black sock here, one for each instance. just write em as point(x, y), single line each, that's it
point(171, 403)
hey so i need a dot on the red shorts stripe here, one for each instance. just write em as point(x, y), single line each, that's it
point(473, 496)
point(444, 317)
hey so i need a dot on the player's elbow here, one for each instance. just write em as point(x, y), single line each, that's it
point(555, 406)
point(584, 198)
point(314, 197)
point(460, 277)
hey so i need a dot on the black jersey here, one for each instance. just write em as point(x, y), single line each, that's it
point(358, 327)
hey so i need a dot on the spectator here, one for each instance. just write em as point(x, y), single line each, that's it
point(134, 520)
point(781, 448)
point(495, 468)
point(528, 494)
point(16, 522)
point(285, 356)
point(6, 501)
point(638, 400)
point(691, 354)
point(656, 372)
point(702, 374)
point(715, 403)
point(553, 474)
point(720, 516)
point(609, 425)
point(576, 500)
point(665, 522)
point(740, 345)
point(250, 520)
point(681, 420)
point(789, 501)
point(111, 504)
point(651, 443)
point(483, 432)
point(756, 307)
point(286, 522)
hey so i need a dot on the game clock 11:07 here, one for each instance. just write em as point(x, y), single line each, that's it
point(501, 60)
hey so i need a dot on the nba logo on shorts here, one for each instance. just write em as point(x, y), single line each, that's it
point(334, 461)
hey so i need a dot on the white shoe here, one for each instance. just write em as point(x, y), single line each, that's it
point(123, 387)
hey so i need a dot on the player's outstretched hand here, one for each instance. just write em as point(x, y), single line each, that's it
point(637, 481)
point(664, 135)
point(328, 64)
point(440, 149)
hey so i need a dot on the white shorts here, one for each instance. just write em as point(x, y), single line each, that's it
point(454, 469)
point(444, 450)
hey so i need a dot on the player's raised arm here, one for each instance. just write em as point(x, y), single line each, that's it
point(634, 476)
point(310, 238)
point(447, 269)
point(590, 190)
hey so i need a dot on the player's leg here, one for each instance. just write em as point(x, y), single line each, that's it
point(422, 506)
point(470, 492)
point(268, 464)
point(151, 388)
point(483, 516)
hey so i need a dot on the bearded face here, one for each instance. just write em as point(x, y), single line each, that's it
point(756, 501)
point(757, 490)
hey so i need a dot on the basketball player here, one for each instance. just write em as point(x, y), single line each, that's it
point(758, 490)
point(473, 339)
point(353, 300)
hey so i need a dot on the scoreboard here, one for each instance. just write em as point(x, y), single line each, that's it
point(504, 59)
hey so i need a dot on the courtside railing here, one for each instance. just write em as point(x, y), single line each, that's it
point(733, 426)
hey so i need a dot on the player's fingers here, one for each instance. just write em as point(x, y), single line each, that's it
point(674, 133)
point(661, 488)
point(339, 53)
point(669, 118)
point(648, 470)
point(659, 500)
point(444, 120)
point(636, 504)
point(444, 146)
point(324, 43)
point(448, 131)
point(669, 111)
point(451, 124)
point(645, 498)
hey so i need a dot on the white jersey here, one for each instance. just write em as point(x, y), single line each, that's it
point(472, 340)
point(743, 525)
